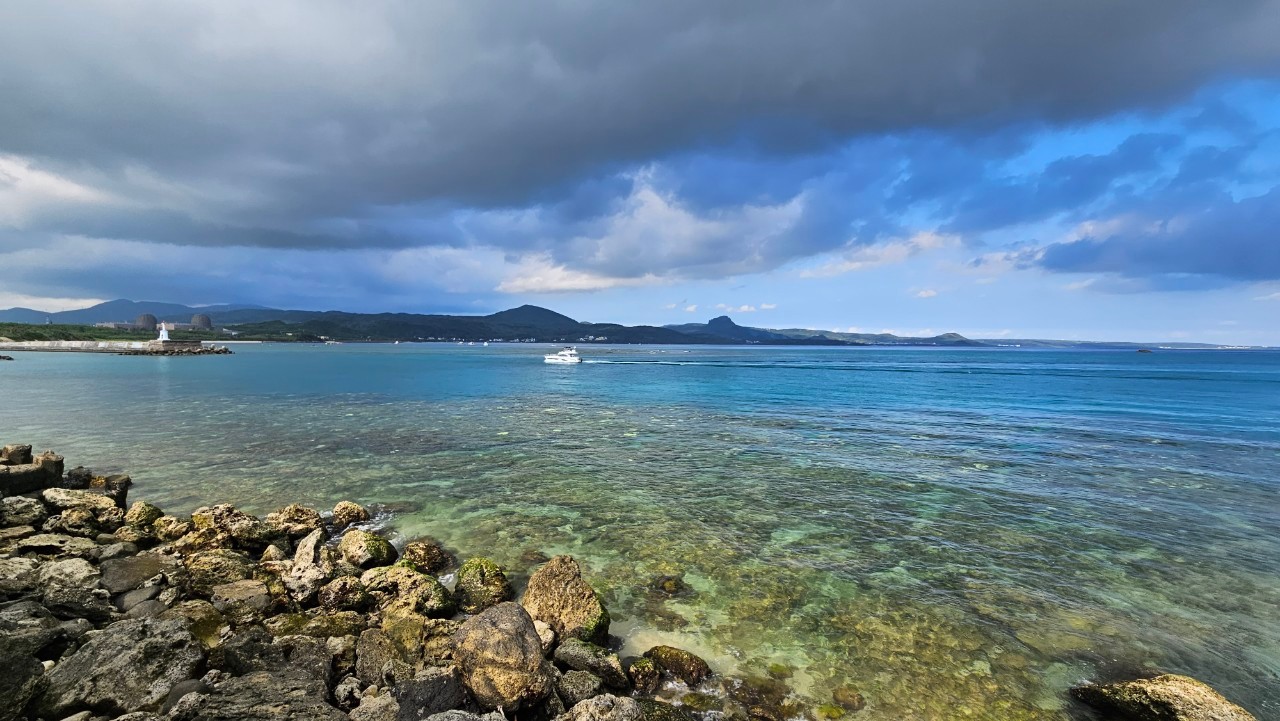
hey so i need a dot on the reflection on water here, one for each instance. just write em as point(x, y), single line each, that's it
point(955, 533)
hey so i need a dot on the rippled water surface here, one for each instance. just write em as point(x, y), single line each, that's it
point(957, 533)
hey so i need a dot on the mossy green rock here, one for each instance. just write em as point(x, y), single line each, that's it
point(206, 569)
point(425, 555)
point(481, 585)
point(700, 702)
point(645, 675)
point(582, 656)
point(558, 596)
point(365, 549)
point(318, 624)
point(142, 515)
point(402, 587)
point(202, 620)
point(344, 593)
point(685, 666)
point(828, 712)
point(654, 710)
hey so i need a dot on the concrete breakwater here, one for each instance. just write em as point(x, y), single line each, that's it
point(119, 347)
point(111, 610)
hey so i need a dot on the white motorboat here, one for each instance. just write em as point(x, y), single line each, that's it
point(568, 355)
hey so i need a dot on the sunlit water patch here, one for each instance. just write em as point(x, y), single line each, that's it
point(958, 534)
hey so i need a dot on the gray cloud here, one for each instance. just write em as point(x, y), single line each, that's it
point(274, 119)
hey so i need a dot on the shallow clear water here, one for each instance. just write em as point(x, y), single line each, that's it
point(957, 533)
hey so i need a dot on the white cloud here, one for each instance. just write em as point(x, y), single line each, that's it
point(669, 306)
point(37, 302)
point(1272, 296)
point(874, 256)
point(927, 293)
point(691, 308)
point(768, 306)
point(539, 274)
point(736, 309)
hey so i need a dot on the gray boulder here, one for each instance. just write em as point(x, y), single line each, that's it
point(582, 656)
point(21, 678)
point(578, 686)
point(558, 595)
point(430, 691)
point(129, 572)
point(21, 511)
point(129, 666)
point(263, 696)
point(605, 708)
point(501, 659)
point(382, 707)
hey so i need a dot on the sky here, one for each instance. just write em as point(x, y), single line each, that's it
point(1062, 169)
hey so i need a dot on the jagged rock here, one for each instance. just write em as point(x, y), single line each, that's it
point(74, 572)
point(16, 454)
point(241, 602)
point(22, 677)
point(425, 555)
point(264, 696)
point(274, 553)
point(382, 707)
point(546, 635)
point(295, 521)
point(253, 649)
point(116, 487)
point(1169, 697)
point(142, 515)
point(342, 654)
point(247, 532)
point(206, 569)
point(201, 619)
point(644, 674)
point(312, 568)
point(77, 478)
point(21, 511)
point(202, 539)
point(347, 693)
point(481, 584)
point(170, 528)
point(456, 715)
point(366, 549)
point(345, 593)
point(577, 686)
point(59, 500)
point(378, 661)
point(501, 659)
point(129, 666)
point(421, 641)
point(582, 656)
point(347, 513)
point(605, 708)
point(679, 663)
point(430, 691)
point(129, 572)
point(316, 623)
point(56, 544)
point(403, 587)
point(557, 595)
point(70, 602)
point(17, 576)
point(30, 629)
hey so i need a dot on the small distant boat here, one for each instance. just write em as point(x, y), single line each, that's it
point(397, 342)
point(567, 355)
point(486, 344)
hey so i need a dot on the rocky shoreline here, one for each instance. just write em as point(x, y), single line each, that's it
point(112, 610)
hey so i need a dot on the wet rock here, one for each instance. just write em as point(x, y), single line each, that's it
point(578, 686)
point(170, 528)
point(679, 663)
point(247, 532)
point(766, 699)
point(848, 698)
point(129, 666)
point(129, 572)
point(316, 623)
point(1169, 697)
point(345, 593)
point(142, 515)
point(241, 602)
point(828, 712)
point(654, 710)
point(430, 691)
point(501, 659)
point(347, 513)
point(582, 656)
point(481, 584)
point(426, 555)
point(558, 595)
point(366, 549)
point(670, 586)
point(265, 696)
point(382, 707)
point(645, 675)
point(402, 587)
point(295, 521)
point(22, 511)
point(700, 702)
point(605, 708)
point(206, 569)
point(78, 478)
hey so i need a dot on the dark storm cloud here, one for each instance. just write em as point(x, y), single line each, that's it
point(272, 119)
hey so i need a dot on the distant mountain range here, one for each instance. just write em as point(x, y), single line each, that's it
point(527, 322)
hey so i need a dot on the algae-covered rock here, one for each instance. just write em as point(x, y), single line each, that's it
point(142, 515)
point(316, 623)
point(426, 555)
point(577, 686)
point(849, 698)
point(558, 595)
point(347, 513)
point(379, 661)
point(421, 641)
point(679, 663)
point(655, 710)
point(170, 528)
point(829, 712)
point(295, 520)
point(366, 549)
point(582, 656)
point(1169, 697)
point(247, 532)
point(206, 569)
point(404, 587)
point(129, 666)
point(344, 593)
point(644, 674)
point(501, 659)
point(606, 708)
point(481, 584)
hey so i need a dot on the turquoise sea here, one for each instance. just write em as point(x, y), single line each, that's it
point(956, 533)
